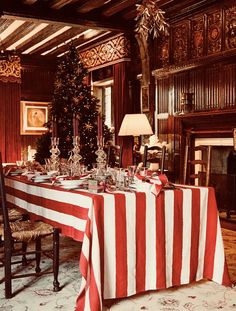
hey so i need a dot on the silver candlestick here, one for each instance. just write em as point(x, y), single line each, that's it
point(75, 157)
point(55, 152)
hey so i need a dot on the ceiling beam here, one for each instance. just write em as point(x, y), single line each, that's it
point(43, 34)
point(59, 40)
point(12, 9)
point(29, 1)
point(58, 4)
point(4, 24)
point(117, 6)
point(90, 5)
point(21, 31)
point(180, 9)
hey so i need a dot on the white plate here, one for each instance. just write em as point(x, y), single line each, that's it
point(52, 173)
point(16, 172)
point(70, 187)
point(41, 178)
point(71, 183)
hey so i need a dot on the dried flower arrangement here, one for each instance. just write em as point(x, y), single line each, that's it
point(150, 18)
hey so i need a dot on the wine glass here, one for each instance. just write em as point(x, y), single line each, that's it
point(131, 173)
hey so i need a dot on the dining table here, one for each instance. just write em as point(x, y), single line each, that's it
point(133, 241)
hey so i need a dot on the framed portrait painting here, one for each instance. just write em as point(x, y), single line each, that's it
point(33, 117)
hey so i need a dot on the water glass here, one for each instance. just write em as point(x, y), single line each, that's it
point(131, 172)
point(120, 178)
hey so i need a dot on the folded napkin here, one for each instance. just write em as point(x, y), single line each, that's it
point(158, 182)
point(155, 183)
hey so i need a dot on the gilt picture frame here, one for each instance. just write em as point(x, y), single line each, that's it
point(33, 117)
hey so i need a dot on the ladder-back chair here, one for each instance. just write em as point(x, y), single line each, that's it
point(25, 232)
point(155, 154)
point(197, 169)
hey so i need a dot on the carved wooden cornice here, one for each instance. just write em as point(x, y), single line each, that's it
point(172, 69)
point(112, 51)
point(206, 36)
point(10, 70)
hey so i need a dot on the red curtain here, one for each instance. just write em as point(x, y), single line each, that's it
point(10, 121)
point(122, 105)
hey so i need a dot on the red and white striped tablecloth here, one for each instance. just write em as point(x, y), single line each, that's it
point(132, 242)
point(67, 210)
point(136, 242)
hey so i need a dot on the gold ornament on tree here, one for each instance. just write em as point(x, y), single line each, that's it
point(88, 126)
point(75, 100)
point(58, 84)
point(150, 18)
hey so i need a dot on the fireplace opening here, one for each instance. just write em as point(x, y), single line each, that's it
point(222, 173)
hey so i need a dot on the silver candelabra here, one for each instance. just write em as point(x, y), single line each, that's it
point(101, 157)
point(75, 157)
point(55, 152)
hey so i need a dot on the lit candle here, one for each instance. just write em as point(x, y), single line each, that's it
point(74, 130)
point(55, 127)
point(76, 125)
point(99, 125)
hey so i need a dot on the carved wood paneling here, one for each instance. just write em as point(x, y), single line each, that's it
point(211, 33)
point(228, 85)
point(230, 28)
point(197, 86)
point(162, 129)
point(181, 85)
point(197, 37)
point(162, 95)
point(111, 51)
point(165, 51)
point(214, 32)
point(180, 42)
point(212, 87)
point(37, 83)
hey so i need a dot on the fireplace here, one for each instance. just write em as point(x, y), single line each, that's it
point(215, 129)
point(224, 183)
point(220, 152)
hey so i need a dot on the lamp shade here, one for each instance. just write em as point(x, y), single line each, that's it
point(134, 125)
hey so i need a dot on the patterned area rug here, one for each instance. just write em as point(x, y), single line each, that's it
point(36, 294)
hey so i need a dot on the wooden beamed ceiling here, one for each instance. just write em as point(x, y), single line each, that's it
point(45, 27)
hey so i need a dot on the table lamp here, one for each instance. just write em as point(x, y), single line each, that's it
point(135, 124)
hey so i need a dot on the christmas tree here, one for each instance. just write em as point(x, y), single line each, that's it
point(73, 110)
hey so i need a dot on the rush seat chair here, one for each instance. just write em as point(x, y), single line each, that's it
point(25, 232)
